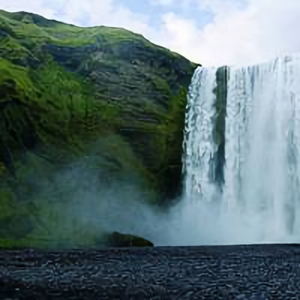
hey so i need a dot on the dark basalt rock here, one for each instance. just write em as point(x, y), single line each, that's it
point(117, 239)
point(221, 272)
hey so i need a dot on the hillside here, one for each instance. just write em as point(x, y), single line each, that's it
point(102, 104)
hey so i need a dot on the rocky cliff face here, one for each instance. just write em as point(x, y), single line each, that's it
point(103, 101)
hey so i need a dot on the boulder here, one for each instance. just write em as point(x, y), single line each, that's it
point(117, 239)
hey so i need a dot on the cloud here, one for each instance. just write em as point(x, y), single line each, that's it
point(36, 6)
point(220, 6)
point(177, 3)
point(162, 2)
point(240, 32)
point(84, 13)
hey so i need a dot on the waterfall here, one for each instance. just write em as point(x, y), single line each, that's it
point(199, 129)
point(245, 129)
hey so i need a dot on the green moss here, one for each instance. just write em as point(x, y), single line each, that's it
point(28, 26)
point(12, 50)
point(103, 96)
point(162, 85)
point(7, 204)
point(18, 74)
point(3, 170)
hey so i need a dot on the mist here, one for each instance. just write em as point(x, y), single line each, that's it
point(82, 206)
point(197, 222)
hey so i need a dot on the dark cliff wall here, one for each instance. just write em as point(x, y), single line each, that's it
point(220, 118)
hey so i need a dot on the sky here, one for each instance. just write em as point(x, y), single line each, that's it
point(210, 32)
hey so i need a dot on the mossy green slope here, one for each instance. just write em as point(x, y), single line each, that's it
point(68, 93)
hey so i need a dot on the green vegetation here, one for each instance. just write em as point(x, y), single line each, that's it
point(102, 98)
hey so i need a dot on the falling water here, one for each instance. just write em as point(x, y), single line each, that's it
point(262, 143)
point(199, 129)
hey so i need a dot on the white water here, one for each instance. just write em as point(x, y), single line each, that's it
point(261, 195)
point(199, 130)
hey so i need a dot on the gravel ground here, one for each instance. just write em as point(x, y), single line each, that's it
point(204, 272)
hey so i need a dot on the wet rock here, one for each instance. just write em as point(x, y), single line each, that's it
point(117, 239)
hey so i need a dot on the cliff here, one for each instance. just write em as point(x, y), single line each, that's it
point(102, 101)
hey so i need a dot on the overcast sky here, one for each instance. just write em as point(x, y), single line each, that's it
point(211, 32)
